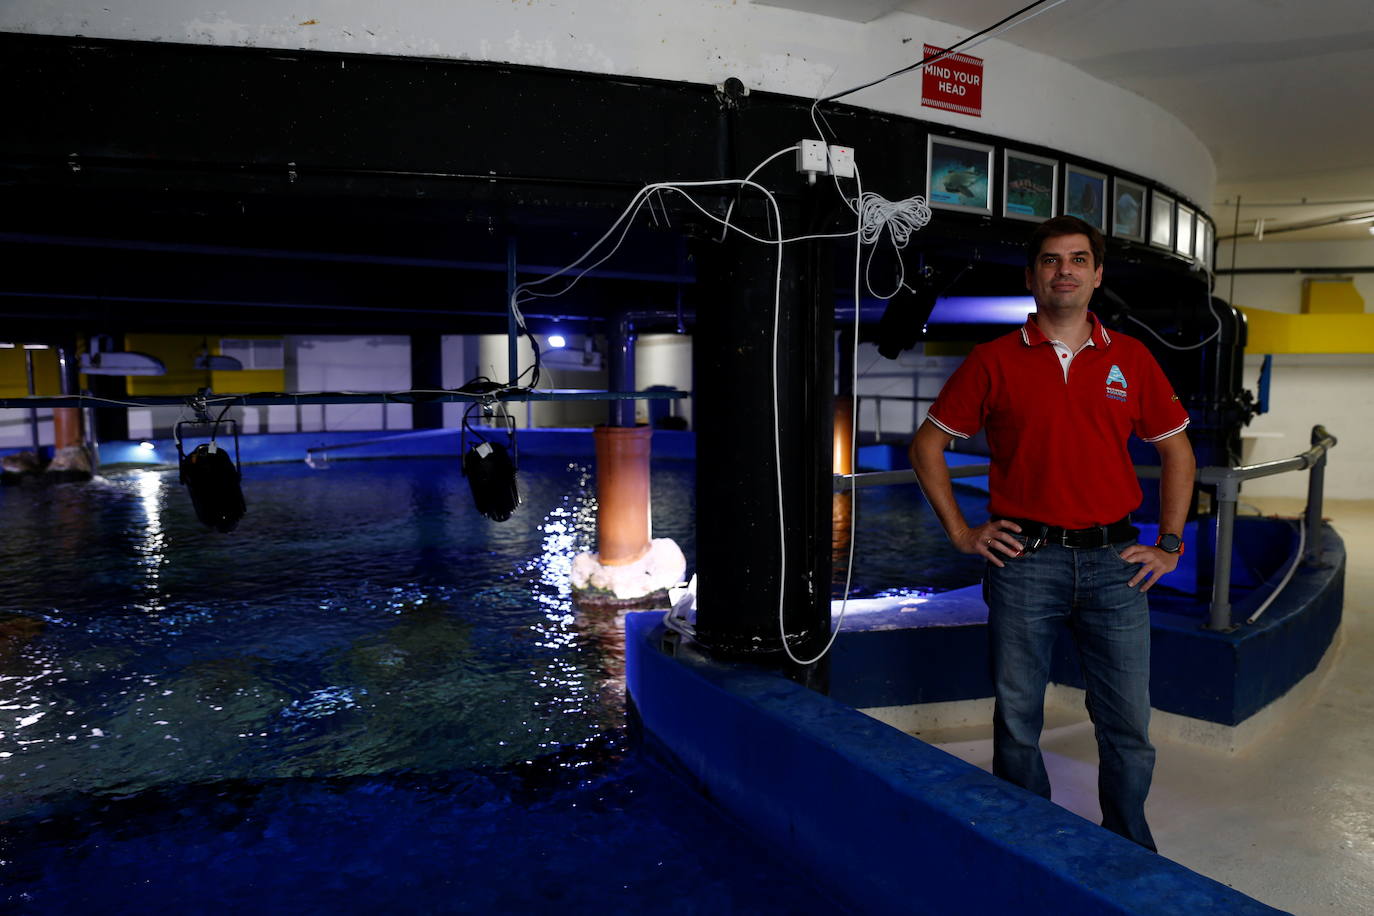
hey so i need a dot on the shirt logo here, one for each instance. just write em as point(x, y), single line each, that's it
point(1116, 377)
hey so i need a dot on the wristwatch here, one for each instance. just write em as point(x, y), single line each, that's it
point(1170, 543)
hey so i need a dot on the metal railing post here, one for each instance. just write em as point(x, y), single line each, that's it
point(1228, 492)
point(33, 411)
point(877, 418)
point(1315, 482)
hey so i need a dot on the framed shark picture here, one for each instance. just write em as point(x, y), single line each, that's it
point(1030, 185)
point(1085, 196)
point(959, 175)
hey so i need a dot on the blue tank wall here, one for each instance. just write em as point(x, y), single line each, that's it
point(887, 822)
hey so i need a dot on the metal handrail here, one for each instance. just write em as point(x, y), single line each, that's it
point(1227, 482)
point(877, 400)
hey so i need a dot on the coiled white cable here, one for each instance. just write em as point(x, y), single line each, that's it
point(900, 218)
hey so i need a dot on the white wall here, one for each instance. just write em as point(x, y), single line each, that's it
point(461, 358)
point(664, 359)
point(339, 363)
point(1027, 96)
point(1283, 292)
point(493, 358)
point(912, 374)
point(1335, 391)
point(16, 430)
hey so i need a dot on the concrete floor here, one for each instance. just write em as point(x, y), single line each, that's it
point(1289, 820)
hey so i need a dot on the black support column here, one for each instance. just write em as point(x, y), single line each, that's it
point(427, 373)
point(739, 552)
point(620, 367)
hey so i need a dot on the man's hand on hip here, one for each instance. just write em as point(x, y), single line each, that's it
point(990, 540)
point(1154, 563)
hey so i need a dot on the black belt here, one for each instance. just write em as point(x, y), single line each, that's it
point(1039, 533)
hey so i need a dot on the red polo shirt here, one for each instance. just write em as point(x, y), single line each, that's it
point(1059, 445)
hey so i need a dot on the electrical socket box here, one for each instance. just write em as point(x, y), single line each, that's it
point(842, 161)
point(811, 156)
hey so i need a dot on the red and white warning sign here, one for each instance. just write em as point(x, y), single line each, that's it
point(954, 83)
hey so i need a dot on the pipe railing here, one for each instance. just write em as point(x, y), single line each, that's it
point(877, 400)
point(1227, 482)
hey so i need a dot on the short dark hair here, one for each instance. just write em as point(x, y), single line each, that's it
point(1066, 225)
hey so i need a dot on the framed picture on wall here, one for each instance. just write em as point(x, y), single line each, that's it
point(1085, 195)
point(1183, 232)
point(959, 175)
point(1030, 185)
point(1202, 241)
point(1128, 210)
point(1161, 220)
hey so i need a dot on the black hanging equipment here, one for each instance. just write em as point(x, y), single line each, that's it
point(490, 466)
point(209, 474)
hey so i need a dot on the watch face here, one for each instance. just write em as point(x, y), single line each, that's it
point(1169, 543)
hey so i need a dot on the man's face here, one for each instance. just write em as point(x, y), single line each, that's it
point(1064, 275)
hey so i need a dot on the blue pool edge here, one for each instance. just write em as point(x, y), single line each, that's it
point(888, 823)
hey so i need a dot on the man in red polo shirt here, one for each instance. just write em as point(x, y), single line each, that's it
point(1059, 398)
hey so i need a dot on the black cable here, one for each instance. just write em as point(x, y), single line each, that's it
point(946, 52)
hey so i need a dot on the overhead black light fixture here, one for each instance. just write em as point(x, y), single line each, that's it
point(489, 465)
point(904, 320)
point(211, 477)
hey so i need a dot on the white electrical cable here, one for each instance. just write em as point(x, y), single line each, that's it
point(524, 291)
point(1173, 346)
point(957, 48)
point(853, 451)
point(750, 177)
point(900, 219)
point(1302, 545)
point(873, 214)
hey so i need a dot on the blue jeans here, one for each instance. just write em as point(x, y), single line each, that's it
point(1029, 599)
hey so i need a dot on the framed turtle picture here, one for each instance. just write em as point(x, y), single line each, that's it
point(1128, 210)
point(1085, 196)
point(959, 175)
point(1030, 185)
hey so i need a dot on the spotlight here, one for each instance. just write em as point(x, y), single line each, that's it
point(490, 469)
point(557, 341)
point(147, 446)
point(904, 320)
point(212, 478)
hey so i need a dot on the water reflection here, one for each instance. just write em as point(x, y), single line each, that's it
point(151, 544)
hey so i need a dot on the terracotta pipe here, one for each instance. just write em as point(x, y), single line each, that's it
point(66, 427)
point(622, 486)
point(843, 461)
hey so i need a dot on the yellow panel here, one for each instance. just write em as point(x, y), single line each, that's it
point(178, 353)
point(1283, 332)
point(14, 381)
point(1331, 296)
point(247, 381)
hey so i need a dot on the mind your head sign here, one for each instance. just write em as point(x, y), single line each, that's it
point(953, 83)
